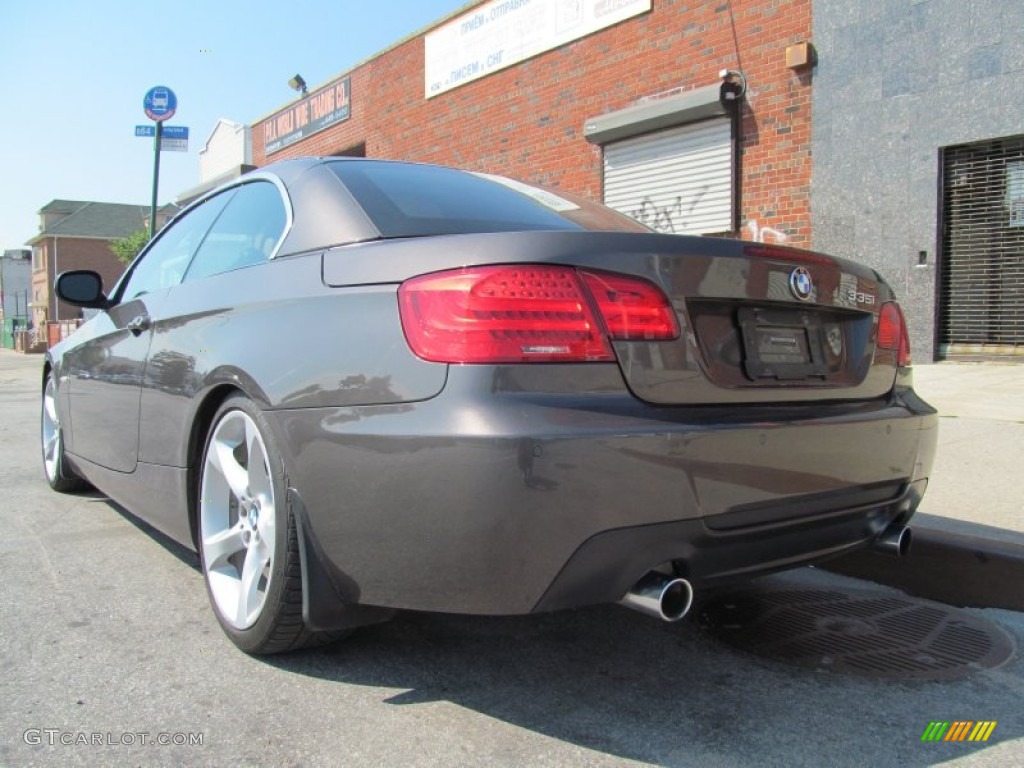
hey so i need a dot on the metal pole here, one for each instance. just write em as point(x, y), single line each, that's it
point(156, 177)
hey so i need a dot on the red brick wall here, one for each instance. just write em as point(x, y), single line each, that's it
point(73, 253)
point(527, 121)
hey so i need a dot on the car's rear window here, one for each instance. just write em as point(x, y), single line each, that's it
point(409, 200)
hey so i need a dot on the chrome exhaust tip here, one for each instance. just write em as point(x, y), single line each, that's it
point(664, 597)
point(894, 541)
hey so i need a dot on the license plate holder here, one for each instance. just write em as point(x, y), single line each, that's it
point(782, 344)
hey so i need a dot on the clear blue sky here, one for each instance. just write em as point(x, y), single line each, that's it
point(73, 74)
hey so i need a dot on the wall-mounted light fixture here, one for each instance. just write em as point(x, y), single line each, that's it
point(298, 84)
point(734, 86)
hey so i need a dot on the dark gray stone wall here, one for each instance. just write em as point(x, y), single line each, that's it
point(896, 81)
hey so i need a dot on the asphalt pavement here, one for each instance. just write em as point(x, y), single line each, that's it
point(108, 647)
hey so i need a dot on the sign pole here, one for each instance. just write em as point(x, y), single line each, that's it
point(159, 104)
point(156, 177)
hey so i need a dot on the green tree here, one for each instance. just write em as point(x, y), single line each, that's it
point(127, 248)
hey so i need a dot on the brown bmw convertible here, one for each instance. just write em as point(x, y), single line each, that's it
point(357, 386)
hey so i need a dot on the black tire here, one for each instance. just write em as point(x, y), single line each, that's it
point(278, 626)
point(59, 475)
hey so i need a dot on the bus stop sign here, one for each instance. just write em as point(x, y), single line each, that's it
point(160, 103)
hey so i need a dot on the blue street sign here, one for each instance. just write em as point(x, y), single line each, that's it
point(169, 131)
point(160, 103)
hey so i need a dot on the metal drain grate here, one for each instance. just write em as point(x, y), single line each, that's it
point(859, 633)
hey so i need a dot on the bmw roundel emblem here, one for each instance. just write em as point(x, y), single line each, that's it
point(800, 283)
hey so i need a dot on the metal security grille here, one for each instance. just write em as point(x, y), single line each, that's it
point(981, 304)
point(677, 180)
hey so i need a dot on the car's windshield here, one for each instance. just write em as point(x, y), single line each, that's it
point(410, 200)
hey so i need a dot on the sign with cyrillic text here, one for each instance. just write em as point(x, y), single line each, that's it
point(501, 33)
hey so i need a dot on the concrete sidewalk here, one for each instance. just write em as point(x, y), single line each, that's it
point(969, 532)
point(980, 461)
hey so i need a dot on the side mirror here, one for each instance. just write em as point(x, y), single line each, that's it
point(81, 287)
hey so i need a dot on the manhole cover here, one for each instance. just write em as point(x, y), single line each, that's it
point(860, 633)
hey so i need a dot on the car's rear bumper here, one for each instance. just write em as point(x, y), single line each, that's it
point(606, 565)
point(473, 502)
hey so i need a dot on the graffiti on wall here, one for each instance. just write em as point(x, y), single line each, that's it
point(761, 234)
point(671, 218)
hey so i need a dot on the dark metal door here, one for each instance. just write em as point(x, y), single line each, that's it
point(981, 292)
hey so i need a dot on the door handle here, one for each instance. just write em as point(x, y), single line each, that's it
point(138, 324)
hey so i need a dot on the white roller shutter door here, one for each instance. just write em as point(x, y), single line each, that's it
point(678, 180)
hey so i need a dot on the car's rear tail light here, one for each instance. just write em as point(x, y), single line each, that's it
point(528, 313)
point(632, 309)
point(501, 315)
point(892, 332)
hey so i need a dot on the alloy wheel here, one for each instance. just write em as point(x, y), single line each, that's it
point(50, 432)
point(237, 519)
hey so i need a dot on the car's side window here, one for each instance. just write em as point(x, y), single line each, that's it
point(246, 233)
point(164, 264)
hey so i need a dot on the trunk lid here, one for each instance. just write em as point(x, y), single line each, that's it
point(760, 323)
point(763, 323)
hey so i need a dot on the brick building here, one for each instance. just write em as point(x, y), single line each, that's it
point(76, 234)
point(590, 97)
point(909, 110)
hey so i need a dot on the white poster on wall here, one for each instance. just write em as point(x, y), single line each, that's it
point(501, 33)
point(1015, 192)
